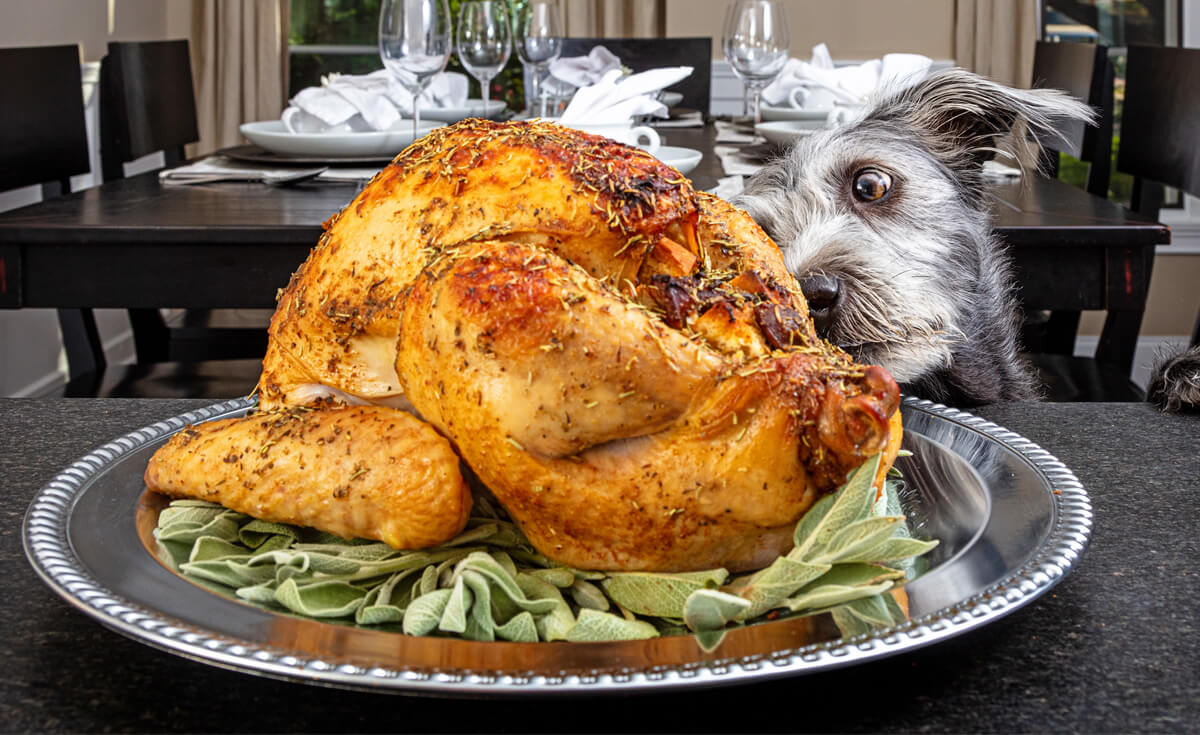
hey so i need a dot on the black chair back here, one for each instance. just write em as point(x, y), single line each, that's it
point(1085, 71)
point(641, 54)
point(43, 136)
point(1160, 131)
point(43, 141)
point(147, 103)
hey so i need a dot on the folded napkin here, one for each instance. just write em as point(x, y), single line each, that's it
point(580, 71)
point(616, 99)
point(222, 168)
point(830, 85)
point(376, 101)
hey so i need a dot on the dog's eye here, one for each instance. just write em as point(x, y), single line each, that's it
point(871, 185)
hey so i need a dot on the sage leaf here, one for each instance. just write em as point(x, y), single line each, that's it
point(263, 594)
point(843, 583)
point(857, 537)
point(659, 594)
point(595, 626)
point(454, 617)
point(890, 549)
point(210, 547)
point(320, 599)
point(520, 629)
point(588, 596)
point(554, 625)
point(852, 502)
point(428, 582)
point(257, 532)
point(870, 610)
point(425, 613)
point(709, 640)
point(558, 577)
point(708, 609)
point(228, 572)
point(768, 588)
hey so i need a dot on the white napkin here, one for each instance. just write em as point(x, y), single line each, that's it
point(580, 71)
point(846, 85)
point(222, 168)
point(375, 101)
point(615, 100)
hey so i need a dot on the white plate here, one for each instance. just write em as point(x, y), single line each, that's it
point(785, 132)
point(771, 113)
point(472, 108)
point(682, 159)
point(273, 136)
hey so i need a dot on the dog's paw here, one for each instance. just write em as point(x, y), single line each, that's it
point(1175, 382)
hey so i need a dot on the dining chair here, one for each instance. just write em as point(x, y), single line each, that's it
point(147, 105)
point(1086, 73)
point(43, 142)
point(1160, 127)
point(641, 54)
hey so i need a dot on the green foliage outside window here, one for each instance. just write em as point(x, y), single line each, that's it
point(356, 23)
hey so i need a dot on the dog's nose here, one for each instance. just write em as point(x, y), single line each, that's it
point(824, 295)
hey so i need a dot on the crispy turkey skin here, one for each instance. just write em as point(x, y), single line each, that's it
point(624, 362)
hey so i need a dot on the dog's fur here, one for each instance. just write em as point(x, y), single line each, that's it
point(1175, 381)
point(925, 290)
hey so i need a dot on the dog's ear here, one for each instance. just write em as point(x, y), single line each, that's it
point(966, 119)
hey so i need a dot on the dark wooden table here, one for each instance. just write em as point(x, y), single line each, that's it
point(1112, 648)
point(135, 243)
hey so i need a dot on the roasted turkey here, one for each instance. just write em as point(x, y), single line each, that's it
point(624, 362)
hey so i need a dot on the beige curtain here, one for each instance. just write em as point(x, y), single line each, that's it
point(614, 18)
point(239, 63)
point(995, 38)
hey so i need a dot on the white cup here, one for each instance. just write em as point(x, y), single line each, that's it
point(300, 121)
point(641, 136)
point(813, 96)
point(841, 114)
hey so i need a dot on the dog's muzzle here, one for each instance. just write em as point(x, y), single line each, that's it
point(824, 296)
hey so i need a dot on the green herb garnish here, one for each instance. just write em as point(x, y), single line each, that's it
point(489, 583)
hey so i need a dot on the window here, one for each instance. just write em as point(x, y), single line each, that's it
point(1116, 24)
point(342, 36)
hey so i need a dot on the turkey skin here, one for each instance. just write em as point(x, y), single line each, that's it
point(624, 363)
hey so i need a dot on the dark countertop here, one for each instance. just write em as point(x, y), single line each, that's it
point(1113, 647)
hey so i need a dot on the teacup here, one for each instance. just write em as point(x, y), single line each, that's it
point(641, 136)
point(297, 120)
point(816, 97)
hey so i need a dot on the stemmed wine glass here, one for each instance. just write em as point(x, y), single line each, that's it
point(756, 44)
point(484, 41)
point(539, 35)
point(414, 43)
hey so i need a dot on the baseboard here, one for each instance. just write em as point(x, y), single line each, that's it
point(1148, 350)
point(118, 349)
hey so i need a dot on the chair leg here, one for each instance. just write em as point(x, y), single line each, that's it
point(1061, 330)
point(150, 335)
point(81, 340)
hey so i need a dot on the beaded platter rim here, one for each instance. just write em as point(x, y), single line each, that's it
point(47, 546)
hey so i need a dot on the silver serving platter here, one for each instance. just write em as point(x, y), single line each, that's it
point(1011, 518)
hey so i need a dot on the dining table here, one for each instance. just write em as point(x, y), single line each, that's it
point(137, 243)
point(1112, 647)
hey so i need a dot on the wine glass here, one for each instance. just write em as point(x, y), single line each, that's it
point(414, 43)
point(539, 35)
point(756, 44)
point(484, 41)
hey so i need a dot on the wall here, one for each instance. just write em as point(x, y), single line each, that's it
point(853, 29)
point(30, 362)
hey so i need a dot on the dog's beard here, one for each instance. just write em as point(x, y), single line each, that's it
point(882, 318)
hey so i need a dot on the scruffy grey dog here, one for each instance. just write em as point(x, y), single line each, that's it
point(884, 221)
point(1175, 381)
